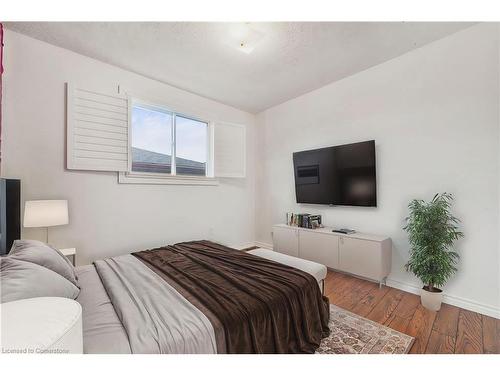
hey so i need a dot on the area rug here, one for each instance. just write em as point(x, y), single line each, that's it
point(353, 334)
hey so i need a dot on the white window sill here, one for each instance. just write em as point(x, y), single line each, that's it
point(156, 179)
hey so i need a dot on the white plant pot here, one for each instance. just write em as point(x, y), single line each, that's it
point(432, 300)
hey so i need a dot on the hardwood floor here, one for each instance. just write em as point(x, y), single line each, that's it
point(450, 330)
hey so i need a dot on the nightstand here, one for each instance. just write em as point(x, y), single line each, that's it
point(69, 252)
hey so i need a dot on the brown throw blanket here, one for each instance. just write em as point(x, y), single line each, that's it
point(255, 305)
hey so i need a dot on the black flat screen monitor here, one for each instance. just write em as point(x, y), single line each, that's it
point(340, 175)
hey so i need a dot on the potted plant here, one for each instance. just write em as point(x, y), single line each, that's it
point(432, 231)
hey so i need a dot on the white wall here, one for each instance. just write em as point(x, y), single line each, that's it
point(107, 218)
point(434, 113)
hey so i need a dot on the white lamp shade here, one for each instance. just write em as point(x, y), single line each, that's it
point(45, 213)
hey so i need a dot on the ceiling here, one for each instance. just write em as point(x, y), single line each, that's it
point(285, 59)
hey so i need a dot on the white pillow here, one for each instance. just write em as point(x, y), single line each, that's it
point(42, 254)
point(20, 280)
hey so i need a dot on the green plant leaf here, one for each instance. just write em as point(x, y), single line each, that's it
point(432, 233)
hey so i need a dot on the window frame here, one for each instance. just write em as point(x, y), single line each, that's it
point(137, 177)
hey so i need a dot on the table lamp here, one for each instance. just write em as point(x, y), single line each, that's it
point(45, 213)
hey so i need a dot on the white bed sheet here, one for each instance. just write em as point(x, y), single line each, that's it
point(103, 333)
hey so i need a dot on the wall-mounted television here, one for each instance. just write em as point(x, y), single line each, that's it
point(342, 175)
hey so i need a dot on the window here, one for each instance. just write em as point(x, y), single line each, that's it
point(168, 143)
point(148, 143)
point(191, 151)
point(151, 139)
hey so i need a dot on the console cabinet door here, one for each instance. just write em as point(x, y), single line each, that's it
point(322, 248)
point(286, 241)
point(361, 257)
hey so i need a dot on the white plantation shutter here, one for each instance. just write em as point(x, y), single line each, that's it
point(97, 130)
point(229, 150)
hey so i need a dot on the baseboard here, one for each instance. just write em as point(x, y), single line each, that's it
point(243, 245)
point(464, 303)
point(263, 245)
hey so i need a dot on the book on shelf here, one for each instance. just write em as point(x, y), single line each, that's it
point(303, 220)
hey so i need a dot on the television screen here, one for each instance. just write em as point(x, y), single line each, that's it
point(339, 175)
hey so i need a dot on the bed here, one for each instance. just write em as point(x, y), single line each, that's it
point(200, 297)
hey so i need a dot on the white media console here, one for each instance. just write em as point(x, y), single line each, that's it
point(360, 254)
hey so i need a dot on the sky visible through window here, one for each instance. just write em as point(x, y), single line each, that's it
point(191, 139)
point(152, 131)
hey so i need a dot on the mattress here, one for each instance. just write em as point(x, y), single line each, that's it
point(103, 332)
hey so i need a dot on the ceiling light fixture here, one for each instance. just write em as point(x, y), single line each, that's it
point(246, 47)
point(245, 37)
